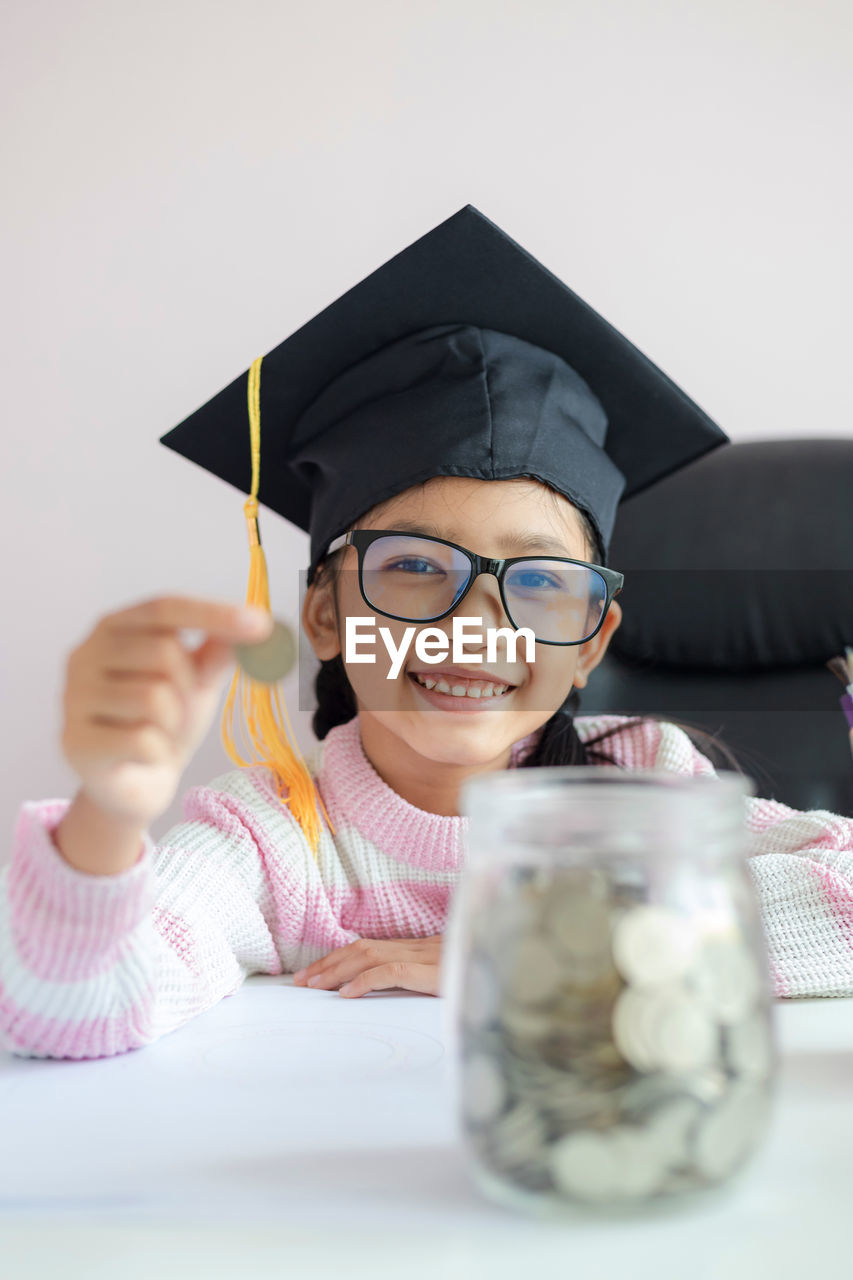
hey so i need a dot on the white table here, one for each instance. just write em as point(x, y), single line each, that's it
point(291, 1132)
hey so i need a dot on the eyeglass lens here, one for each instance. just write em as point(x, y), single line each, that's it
point(420, 579)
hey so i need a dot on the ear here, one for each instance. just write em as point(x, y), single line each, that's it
point(320, 618)
point(594, 650)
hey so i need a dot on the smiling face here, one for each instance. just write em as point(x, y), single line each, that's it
point(474, 711)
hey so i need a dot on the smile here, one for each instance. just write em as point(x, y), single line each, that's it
point(462, 688)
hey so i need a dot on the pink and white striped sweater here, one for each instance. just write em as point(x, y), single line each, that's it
point(94, 965)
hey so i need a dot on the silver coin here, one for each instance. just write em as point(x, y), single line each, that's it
point(730, 1132)
point(680, 1181)
point(519, 1137)
point(643, 1094)
point(592, 1056)
point(683, 1037)
point(653, 944)
point(587, 1106)
point(640, 1162)
point(271, 659)
point(707, 1087)
point(749, 1047)
point(526, 1022)
point(503, 919)
point(584, 1165)
point(630, 1031)
point(668, 1105)
point(481, 998)
point(672, 1125)
point(534, 971)
point(726, 978)
point(662, 1028)
point(563, 1096)
point(577, 917)
point(484, 1091)
point(598, 1166)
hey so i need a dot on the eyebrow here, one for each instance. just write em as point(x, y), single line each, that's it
point(542, 542)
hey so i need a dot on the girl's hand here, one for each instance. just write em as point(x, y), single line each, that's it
point(138, 703)
point(374, 964)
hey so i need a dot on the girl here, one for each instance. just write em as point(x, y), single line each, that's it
point(458, 470)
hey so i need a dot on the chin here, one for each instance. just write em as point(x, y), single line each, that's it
point(454, 740)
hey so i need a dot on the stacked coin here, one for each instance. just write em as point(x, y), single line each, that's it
point(614, 1047)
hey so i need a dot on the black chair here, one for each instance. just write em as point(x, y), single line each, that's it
point(738, 589)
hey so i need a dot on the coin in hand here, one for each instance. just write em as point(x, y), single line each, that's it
point(271, 659)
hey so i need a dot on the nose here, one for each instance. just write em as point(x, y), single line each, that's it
point(483, 601)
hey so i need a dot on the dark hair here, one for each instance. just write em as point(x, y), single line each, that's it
point(558, 741)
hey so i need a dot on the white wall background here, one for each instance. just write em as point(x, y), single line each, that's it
point(188, 181)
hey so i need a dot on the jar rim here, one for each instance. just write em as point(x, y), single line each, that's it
point(552, 778)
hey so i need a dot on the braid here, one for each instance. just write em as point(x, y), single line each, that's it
point(335, 698)
point(559, 742)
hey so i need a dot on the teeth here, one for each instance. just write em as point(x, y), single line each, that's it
point(479, 689)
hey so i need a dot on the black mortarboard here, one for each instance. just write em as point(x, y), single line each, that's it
point(461, 355)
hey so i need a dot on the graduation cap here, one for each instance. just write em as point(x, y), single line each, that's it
point(462, 355)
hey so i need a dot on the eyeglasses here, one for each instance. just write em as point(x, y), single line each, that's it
point(416, 578)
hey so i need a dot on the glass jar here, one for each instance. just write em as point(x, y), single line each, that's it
point(609, 1002)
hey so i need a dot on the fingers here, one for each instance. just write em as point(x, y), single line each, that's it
point(123, 671)
point(372, 964)
point(210, 659)
point(339, 965)
point(411, 977)
point(136, 694)
point(114, 743)
point(128, 701)
point(145, 640)
point(123, 654)
point(173, 613)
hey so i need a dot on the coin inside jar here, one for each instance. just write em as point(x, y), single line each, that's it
point(271, 659)
point(652, 944)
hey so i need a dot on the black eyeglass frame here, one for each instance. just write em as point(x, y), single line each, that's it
point(361, 539)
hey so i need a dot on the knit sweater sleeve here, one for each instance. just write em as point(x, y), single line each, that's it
point(800, 862)
point(93, 965)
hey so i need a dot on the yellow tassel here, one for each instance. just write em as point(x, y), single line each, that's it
point(265, 718)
